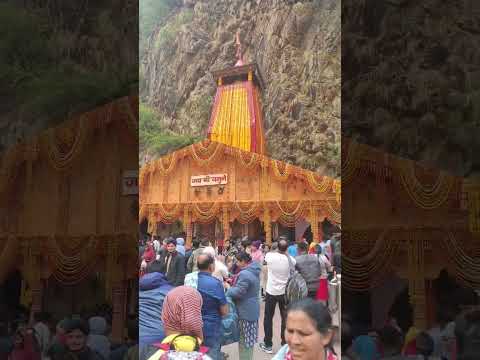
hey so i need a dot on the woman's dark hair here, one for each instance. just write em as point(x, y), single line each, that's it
point(302, 246)
point(171, 241)
point(243, 256)
point(246, 243)
point(77, 324)
point(316, 311)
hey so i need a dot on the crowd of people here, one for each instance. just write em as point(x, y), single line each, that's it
point(186, 293)
point(39, 338)
point(454, 336)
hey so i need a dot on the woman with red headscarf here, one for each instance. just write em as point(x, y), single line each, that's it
point(182, 323)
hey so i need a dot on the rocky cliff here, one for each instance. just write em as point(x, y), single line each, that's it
point(411, 79)
point(297, 47)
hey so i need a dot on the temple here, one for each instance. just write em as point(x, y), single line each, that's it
point(68, 224)
point(226, 185)
point(407, 227)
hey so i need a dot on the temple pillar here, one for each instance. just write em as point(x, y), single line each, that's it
point(316, 230)
point(416, 279)
point(188, 226)
point(225, 225)
point(267, 224)
point(32, 266)
point(37, 297)
point(119, 293)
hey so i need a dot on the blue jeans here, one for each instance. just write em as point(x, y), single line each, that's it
point(214, 346)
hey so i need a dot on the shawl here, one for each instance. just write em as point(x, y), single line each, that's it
point(182, 311)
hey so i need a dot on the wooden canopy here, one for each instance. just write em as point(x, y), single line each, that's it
point(405, 218)
point(63, 213)
point(211, 180)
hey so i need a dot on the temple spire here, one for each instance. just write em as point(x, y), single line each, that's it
point(239, 52)
point(236, 119)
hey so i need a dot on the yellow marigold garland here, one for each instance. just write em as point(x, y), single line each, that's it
point(203, 155)
point(252, 162)
point(167, 213)
point(425, 197)
point(71, 269)
point(290, 212)
point(351, 153)
point(366, 272)
point(166, 164)
point(248, 211)
point(205, 213)
point(318, 186)
point(333, 214)
point(283, 177)
point(58, 158)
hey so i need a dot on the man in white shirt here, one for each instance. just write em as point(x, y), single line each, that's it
point(221, 271)
point(156, 245)
point(278, 267)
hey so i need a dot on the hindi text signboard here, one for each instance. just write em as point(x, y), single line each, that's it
point(208, 180)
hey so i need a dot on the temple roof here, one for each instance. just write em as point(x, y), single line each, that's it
point(236, 118)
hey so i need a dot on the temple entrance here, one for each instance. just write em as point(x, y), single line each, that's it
point(80, 299)
point(10, 296)
point(356, 307)
point(449, 295)
point(402, 310)
point(166, 230)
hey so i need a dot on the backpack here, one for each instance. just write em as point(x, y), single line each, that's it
point(230, 328)
point(177, 347)
point(296, 288)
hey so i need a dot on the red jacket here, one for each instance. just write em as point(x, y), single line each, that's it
point(26, 352)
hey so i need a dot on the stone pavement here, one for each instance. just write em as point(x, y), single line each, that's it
point(232, 350)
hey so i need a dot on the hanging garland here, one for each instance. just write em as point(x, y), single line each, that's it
point(366, 272)
point(248, 212)
point(337, 190)
point(474, 210)
point(204, 155)
point(64, 144)
point(324, 185)
point(465, 267)
point(351, 152)
point(290, 212)
point(166, 164)
point(143, 179)
point(253, 161)
point(205, 213)
point(167, 213)
point(334, 215)
point(142, 213)
point(72, 269)
point(279, 174)
point(425, 197)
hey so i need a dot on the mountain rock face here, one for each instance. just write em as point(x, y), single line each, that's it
point(411, 79)
point(296, 45)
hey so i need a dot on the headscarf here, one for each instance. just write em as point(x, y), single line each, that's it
point(410, 347)
point(149, 254)
point(180, 246)
point(182, 311)
point(96, 339)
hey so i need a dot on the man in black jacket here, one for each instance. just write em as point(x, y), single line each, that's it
point(171, 263)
